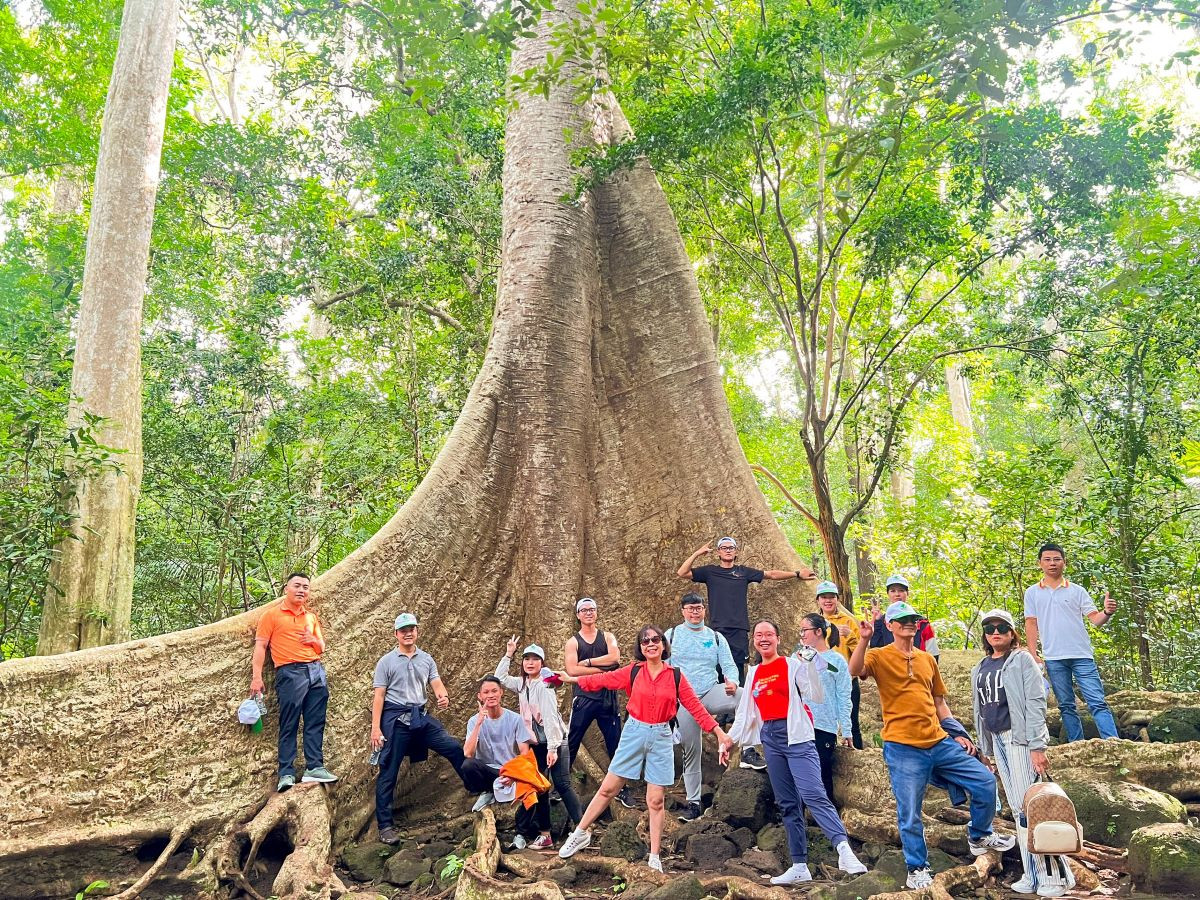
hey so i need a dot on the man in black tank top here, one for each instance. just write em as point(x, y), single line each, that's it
point(589, 652)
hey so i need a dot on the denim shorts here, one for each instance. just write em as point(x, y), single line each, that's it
point(649, 745)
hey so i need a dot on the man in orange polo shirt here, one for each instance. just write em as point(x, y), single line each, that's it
point(296, 641)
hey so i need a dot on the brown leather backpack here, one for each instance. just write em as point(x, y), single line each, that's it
point(1051, 825)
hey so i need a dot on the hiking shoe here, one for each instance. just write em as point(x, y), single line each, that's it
point(919, 878)
point(626, 799)
point(555, 796)
point(542, 842)
point(575, 842)
point(991, 841)
point(1052, 890)
point(389, 835)
point(285, 782)
point(655, 862)
point(847, 861)
point(519, 842)
point(796, 874)
point(1024, 886)
point(752, 759)
point(487, 798)
point(691, 813)
point(320, 774)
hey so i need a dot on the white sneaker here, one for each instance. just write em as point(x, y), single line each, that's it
point(847, 861)
point(919, 878)
point(575, 842)
point(796, 874)
point(519, 842)
point(1051, 890)
point(1024, 886)
point(655, 862)
point(487, 798)
point(992, 841)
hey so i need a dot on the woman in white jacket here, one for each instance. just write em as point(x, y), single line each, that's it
point(539, 709)
point(1010, 719)
point(772, 712)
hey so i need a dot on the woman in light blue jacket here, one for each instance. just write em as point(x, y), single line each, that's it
point(1010, 718)
point(834, 712)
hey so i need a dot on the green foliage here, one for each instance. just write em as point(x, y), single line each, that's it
point(94, 888)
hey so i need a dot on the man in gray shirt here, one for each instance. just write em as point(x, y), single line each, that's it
point(1054, 611)
point(399, 724)
point(494, 736)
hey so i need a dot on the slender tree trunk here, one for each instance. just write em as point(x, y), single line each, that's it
point(833, 536)
point(959, 389)
point(594, 451)
point(91, 582)
point(864, 566)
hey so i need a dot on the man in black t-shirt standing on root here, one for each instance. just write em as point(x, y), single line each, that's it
point(728, 585)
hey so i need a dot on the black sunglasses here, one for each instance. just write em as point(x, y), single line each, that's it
point(997, 628)
point(650, 640)
point(907, 620)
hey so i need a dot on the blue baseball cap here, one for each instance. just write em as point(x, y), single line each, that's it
point(900, 610)
point(405, 620)
point(827, 587)
point(896, 581)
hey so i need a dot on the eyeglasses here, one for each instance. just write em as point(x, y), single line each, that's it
point(694, 607)
point(646, 641)
point(806, 630)
point(997, 628)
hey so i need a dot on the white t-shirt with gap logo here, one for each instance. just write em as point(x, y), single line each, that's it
point(1059, 613)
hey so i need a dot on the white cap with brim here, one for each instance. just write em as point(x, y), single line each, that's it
point(405, 620)
point(534, 650)
point(585, 603)
point(504, 790)
point(896, 581)
point(248, 712)
point(900, 610)
point(726, 542)
point(827, 587)
point(999, 615)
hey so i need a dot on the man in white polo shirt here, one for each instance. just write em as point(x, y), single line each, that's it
point(1054, 611)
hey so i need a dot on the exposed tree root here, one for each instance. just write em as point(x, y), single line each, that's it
point(882, 829)
point(734, 886)
point(972, 875)
point(178, 835)
point(478, 881)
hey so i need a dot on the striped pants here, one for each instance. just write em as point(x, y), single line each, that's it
point(1016, 774)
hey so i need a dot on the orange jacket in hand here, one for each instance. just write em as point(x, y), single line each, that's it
point(527, 778)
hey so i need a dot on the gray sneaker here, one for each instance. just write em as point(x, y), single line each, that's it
point(993, 841)
point(320, 774)
point(389, 835)
point(285, 782)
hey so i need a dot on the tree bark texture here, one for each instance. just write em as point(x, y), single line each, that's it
point(594, 451)
point(90, 593)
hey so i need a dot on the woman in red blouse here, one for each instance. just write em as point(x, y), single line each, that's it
point(646, 742)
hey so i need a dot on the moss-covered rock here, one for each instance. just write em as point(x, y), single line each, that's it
point(1111, 811)
point(1174, 726)
point(621, 840)
point(1165, 859)
point(679, 889)
point(365, 861)
point(744, 799)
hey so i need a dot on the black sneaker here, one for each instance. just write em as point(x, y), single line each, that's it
point(691, 813)
point(389, 835)
point(752, 759)
point(625, 799)
point(555, 796)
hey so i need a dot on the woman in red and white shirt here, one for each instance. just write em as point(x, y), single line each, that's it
point(772, 712)
point(646, 742)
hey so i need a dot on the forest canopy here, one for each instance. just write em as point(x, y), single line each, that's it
point(947, 252)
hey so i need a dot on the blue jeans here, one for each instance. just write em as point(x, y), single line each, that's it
point(795, 773)
point(912, 768)
point(1087, 676)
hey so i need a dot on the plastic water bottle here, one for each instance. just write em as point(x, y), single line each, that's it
point(373, 760)
point(262, 714)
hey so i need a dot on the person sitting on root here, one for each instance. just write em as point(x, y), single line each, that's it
point(494, 736)
point(917, 742)
point(704, 658)
point(400, 725)
point(772, 712)
point(833, 714)
point(1010, 720)
point(656, 690)
point(539, 709)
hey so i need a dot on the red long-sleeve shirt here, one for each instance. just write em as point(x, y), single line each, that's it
point(653, 699)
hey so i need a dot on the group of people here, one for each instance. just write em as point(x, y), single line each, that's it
point(789, 711)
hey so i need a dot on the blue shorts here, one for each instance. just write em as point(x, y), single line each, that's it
point(648, 745)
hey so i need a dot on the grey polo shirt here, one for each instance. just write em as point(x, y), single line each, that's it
point(1059, 613)
point(405, 677)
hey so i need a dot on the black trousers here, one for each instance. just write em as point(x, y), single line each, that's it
point(585, 711)
point(435, 738)
point(298, 697)
point(477, 776)
point(826, 742)
point(739, 647)
point(855, 698)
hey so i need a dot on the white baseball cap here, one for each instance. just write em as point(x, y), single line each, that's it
point(585, 603)
point(726, 542)
point(1002, 615)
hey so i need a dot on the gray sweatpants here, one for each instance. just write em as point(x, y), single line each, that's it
point(717, 702)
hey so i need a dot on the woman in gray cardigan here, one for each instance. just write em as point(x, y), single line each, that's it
point(1010, 718)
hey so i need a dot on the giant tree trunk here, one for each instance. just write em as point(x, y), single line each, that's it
point(91, 582)
point(594, 451)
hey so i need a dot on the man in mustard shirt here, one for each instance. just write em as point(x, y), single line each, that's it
point(917, 742)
